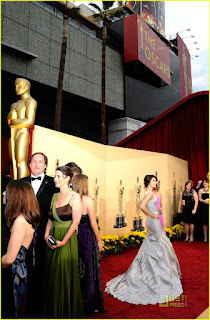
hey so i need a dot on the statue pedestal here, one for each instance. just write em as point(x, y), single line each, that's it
point(120, 222)
point(137, 225)
point(97, 220)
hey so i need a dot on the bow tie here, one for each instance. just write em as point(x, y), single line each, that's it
point(37, 178)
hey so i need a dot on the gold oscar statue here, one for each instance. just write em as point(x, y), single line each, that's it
point(137, 222)
point(120, 191)
point(174, 194)
point(138, 194)
point(20, 118)
point(96, 190)
point(120, 218)
point(57, 164)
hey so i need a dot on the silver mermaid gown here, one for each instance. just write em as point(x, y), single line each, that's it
point(154, 275)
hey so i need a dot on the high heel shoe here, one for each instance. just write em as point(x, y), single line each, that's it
point(101, 311)
point(191, 240)
point(187, 240)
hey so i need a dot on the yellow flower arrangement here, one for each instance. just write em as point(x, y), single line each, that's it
point(169, 232)
point(178, 230)
point(116, 244)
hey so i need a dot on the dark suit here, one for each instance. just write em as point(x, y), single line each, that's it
point(44, 197)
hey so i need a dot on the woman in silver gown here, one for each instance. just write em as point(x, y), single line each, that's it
point(154, 275)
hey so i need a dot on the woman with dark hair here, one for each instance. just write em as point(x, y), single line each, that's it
point(89, 243)
point(189, 203)
point(62, 294)
point(203, 195)
point(154, 275)
point(22, 215)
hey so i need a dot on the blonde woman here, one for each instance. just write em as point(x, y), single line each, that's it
point(89, 243)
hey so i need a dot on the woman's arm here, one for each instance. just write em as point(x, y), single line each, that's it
point(48, 227)
point(15, 242)
point(140, 202)
point(200, 195)
point(161, 203)
point(93, 222)
point(47, 231)
point(143, 207)
point(76, 216)
point(180, 202)
point(195, 196)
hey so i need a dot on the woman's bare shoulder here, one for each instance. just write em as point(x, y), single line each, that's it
point(73, 195)
point(20, 221)
point(87, 200)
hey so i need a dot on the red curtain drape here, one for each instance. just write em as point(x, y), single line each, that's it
point(181, 131)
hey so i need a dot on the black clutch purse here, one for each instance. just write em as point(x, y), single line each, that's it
point(52, 241)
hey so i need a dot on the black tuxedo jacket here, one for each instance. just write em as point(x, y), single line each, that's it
point(44, 197)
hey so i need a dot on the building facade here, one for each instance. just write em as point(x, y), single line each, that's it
point(31, 46)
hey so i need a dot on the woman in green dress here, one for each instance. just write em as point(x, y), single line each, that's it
point(62, 295)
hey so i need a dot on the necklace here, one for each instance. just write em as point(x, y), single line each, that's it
point(206, 190)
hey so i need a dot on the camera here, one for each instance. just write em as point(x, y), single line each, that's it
point(52, 241)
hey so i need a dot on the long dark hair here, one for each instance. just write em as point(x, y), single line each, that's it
point(148, 178)
point(21, 199)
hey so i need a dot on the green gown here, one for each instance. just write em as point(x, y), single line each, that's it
point(62, 295)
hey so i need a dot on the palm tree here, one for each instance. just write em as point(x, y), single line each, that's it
point(107, 16)
point(67, 13)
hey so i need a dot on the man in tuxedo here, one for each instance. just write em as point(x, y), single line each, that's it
point(44, 188)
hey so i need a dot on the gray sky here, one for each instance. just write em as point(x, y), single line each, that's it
point(180, 15)
point(194, 15)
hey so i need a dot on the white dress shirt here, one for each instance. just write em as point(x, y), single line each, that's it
point(37, 183)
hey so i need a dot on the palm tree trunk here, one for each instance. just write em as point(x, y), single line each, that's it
point(103, 98)
point(58, 105)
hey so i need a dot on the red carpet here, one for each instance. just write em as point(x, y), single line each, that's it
point(194, 263)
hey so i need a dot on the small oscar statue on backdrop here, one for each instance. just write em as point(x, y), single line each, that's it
point(57, 164)
point(137, 222)
point(175, 215)
point(96, 190)
point(174, 195)
point(120, 218)
point(180, 187)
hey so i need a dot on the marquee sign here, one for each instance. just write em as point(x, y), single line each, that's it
point(185, 68)
point(141, 43)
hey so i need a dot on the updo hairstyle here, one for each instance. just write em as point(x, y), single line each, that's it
point(66, 171)
point(148, 178)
